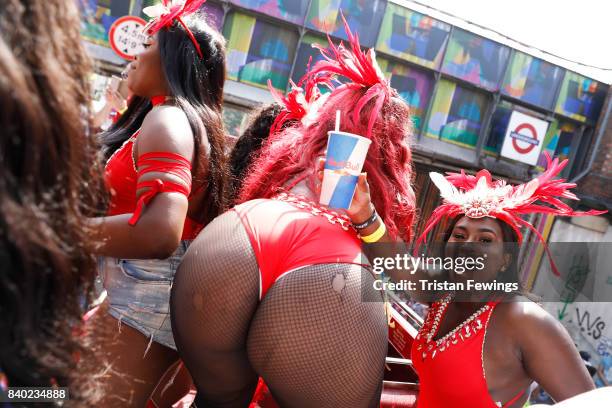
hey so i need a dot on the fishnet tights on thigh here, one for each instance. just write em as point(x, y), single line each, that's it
point(312, 338)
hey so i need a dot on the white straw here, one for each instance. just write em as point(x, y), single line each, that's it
point(337, 121)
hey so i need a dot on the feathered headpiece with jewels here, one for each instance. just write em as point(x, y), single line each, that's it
point(303, 100)
point(360, 68)
point(479, 196)
point(164, 14)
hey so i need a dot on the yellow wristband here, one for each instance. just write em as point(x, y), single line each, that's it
point(376, 235)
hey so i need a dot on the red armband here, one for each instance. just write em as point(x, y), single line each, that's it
point(161, 162)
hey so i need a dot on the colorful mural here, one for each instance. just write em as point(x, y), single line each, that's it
point(214, 14)
point(558, 141)
point(99, 15)
point(499, 125)
point(532, 80)
point(475, 59)
point(413, 85)
point(270, 56)
point(304, 53)
point(290, 10)
point(581, 98)
point(412, 36)
point(456, 114)
point(363, 16)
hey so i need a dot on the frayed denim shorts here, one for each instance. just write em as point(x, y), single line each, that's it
point(138, 292)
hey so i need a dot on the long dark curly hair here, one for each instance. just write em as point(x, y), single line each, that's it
point(48, 183)
point(197, 87)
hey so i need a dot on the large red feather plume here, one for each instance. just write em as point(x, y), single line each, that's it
point(360, 68)
point(480, 196)
point(299, 101)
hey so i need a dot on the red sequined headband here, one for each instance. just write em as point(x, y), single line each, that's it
point(164, 14)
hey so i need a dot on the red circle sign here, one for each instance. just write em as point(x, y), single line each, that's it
point(534, 135)
point(126, 37)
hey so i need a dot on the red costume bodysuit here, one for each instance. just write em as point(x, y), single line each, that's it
point(289, 233)
point(121, 177)
point(451, 368)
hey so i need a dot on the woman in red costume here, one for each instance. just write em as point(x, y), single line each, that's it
point(165, 173)
point(485, 349)
point(273, 288)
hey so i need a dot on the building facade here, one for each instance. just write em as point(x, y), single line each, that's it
point(462, 86)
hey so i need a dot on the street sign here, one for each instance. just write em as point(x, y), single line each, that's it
point(126, 37)
point(524, 138)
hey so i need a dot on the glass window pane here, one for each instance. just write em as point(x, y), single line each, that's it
point(98, 16)
point(412, 36)
point(304, 53)
point(214, 14)
point(413, 85)
point(558, 141)
point(532, 80)
point(235, 119)
point(499, 125)
point(290, 10)
point(268, 57)
point(581, 98)
point(475, 59)
point(456, 114)
point(363, 16)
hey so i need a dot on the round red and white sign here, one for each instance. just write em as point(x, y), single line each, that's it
point(126, 37)
point(524, 138)
point(531, 139)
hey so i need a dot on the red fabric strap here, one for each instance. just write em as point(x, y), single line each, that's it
point(513, 400)
point(158, 162)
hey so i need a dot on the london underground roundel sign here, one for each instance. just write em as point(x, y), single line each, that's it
point(524, 138)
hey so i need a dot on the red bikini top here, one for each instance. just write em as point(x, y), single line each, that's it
point(451, 368)
point(122, 175)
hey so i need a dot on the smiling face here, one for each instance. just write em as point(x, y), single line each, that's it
point(480, 237)
point(146, 77)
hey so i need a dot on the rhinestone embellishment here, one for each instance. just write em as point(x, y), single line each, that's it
point(462, 332)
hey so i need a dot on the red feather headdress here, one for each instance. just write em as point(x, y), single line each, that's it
point(301, 100)
point(164, 14)
point(360, 68)
point(479, 196)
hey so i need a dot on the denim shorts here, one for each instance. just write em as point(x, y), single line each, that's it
point(138, 292)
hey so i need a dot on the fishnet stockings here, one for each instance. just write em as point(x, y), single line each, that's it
point(313, 339)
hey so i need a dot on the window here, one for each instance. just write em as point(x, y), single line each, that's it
point(289, 10)
point(413, 85)
point(581, 98)
point(98, 16)
point(456, 114)
point(214, 14)
point(363, 16)
point(499, 125)
point(532, 80)
point(412, 36)
point(305, 52)
point(235, 119)
point(558, 141)
point(258, 51)
point(475, 59)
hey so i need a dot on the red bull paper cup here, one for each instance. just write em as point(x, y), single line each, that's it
point(346, 153)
